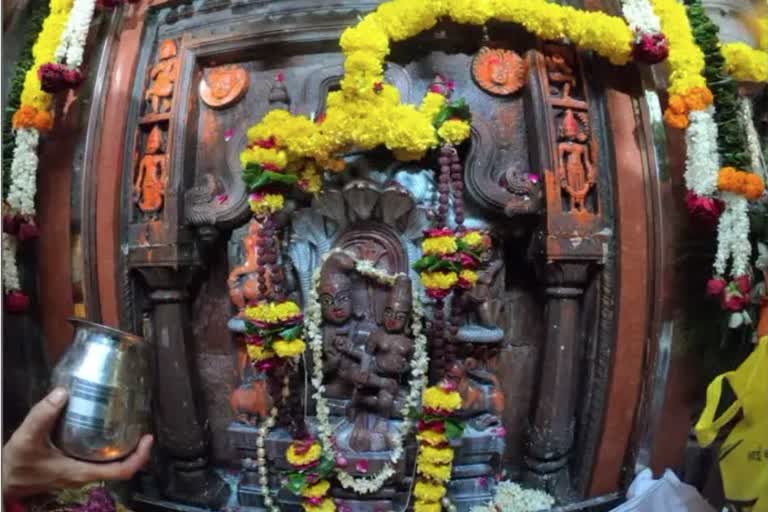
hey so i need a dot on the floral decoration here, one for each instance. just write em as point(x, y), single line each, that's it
point(273, 330)
point(745, 63)
point(449, 260)
point(434, 459)
point(650, 45)
point(735, 184)
point(687, 85)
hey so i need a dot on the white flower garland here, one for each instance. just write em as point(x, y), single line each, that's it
point(419, 367)
point(511, 497)
point(640, 16)
point(753, 141)
point(10, 270)
point(261, 453)
point(733, 236)
point(72, 43)
point(21, 193)
point(702, 159)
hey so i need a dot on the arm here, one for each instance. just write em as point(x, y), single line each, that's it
point(32, 465)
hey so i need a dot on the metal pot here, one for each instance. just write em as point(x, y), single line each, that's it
point(108, 376)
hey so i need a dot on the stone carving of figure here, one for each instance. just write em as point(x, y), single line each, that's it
point(151, 178)
point(224, 86)
point(242, 281)
point(560, 72)
point(478, 306)
point(481, 396)
point(335, 296)
point(380, 367)
point(499, 71)
point(163, 76)
point(574, 166)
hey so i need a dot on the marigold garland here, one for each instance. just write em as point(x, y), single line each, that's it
point(434, 459)
point(745, 63)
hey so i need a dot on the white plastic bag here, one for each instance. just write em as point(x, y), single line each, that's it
point(667, 494)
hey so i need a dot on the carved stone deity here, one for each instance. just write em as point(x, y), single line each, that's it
point(380, 367)
point(574, 164)
point(365, 359)
point(224, 86)
point(478, 308)
point(152, 176)
point(163, 76)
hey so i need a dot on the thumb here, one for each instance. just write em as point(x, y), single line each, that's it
point(42, 417)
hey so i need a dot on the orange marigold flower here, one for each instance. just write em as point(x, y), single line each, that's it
point(754, 187)
point(677, 105)
point(43, 121)
point(698, 98)
point(24, 117)
point(29, 117)
point(728, 180)
point(679, 121)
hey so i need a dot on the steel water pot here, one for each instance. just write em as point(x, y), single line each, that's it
point(107, 373)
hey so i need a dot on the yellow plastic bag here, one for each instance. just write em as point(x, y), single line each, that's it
point(744, 453)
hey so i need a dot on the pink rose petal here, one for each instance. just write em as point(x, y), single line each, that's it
point(362, 466)
point(533, 177)
point(228, 134)
point(222, 198)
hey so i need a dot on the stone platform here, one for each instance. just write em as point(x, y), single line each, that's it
point(477, 461)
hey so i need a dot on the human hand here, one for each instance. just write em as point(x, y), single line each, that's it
point(32, 465)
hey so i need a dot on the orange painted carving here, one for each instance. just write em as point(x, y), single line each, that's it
point(163, 76)
point(499, 71)
point(151, 178)
point(224, 86)
point(575, 170)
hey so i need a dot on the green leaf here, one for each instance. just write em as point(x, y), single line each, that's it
point(457, 109)
point(454, 429)
point(291, 332)
point(424, 262)
point(325, 467)
point(256, 177)
point(296, 482)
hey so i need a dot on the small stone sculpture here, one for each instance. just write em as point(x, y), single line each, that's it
point(163, 76)
point(152, 176)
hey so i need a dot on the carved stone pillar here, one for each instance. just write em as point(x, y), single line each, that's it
point(551, 436)
point(178, 419)
point(571, 244)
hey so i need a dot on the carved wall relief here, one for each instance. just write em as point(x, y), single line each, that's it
point(162, 76)
point(152, 176)
point(224, 86)
point(152, 173)
point(499, 71)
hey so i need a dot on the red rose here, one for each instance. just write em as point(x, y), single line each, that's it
point(651, 48)
point(11, 224)
point(437, 293)
point(705, 209)
point(16, 302)
point(51, 77)
point(743, 283)
point(73, 77)
point(28, 231)
point(715, 286)
point(734, 302)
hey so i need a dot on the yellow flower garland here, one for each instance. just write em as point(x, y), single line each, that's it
point(272, 312)
point(687, 85)
point(367, 112)
point(288, 348)
point(435, 397)
point(439, 245)
point(316, 490)
point(34, 101)
point(439, 280)
point(303, 459)
point(327, 505)
point(745, 63)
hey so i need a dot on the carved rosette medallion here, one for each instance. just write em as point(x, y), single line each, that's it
point(224, 86)
point(498, 71)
